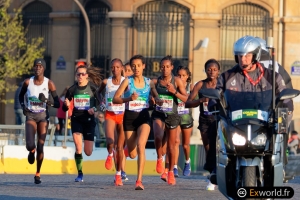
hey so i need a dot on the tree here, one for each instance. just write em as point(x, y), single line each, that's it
point(16, 52)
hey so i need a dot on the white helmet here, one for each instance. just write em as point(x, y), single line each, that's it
point(263, 45)
point(247, 44)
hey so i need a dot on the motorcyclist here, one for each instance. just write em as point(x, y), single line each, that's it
point(248, 75)
point(266, 60)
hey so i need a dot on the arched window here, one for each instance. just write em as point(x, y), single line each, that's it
point(100, 35)
point(162, 29)
point(37, 21)
point(239, 20)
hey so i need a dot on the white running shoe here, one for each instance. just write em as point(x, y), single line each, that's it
point(210, 186)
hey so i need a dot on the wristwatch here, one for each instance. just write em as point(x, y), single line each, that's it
point(95, 109)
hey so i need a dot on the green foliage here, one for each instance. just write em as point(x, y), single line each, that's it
point(16, 52)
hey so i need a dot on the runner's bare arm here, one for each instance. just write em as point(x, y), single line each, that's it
point(191, 102)
point(102, 86)
point(117, 98)
point(180, 92)
point(154, 93)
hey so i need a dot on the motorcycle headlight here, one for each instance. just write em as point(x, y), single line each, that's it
point(238, 140)
point(259, 140)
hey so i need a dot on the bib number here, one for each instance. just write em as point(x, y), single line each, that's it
point(116, 108)
point(167, 104)
point(82, 101)
point(139, 104)
point(181, 108)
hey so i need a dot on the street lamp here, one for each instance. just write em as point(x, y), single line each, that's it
point(88, 32)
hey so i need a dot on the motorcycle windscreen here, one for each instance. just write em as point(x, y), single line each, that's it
point(248, 105)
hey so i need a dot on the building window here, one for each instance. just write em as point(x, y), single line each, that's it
point(239, 20)
point(100, 35)
point(162, 29)
point(38, 24)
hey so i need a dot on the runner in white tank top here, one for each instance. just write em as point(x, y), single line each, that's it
point(35, 109)
point(114, 122)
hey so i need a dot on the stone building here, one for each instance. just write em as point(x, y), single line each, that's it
point(192, 31)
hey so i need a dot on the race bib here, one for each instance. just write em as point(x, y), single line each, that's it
point(167, 105)
point(35, 105)
point(82, 101)
point(139, 104)
point(249, 113)
point(205, 109)
point(181, 108)
point(116, 108)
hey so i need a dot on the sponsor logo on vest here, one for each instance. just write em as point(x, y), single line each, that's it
point(233, 82)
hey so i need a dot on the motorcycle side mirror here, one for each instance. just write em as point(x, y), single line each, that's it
point(287, 94)
point(215, 94)
point(210, 93)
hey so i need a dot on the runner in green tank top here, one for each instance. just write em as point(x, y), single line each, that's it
point(186, 125)
point(165, 118)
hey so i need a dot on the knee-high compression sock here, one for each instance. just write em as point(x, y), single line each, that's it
point(78, 161)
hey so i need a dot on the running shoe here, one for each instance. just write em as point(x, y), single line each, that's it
point(118, 180)
point(159, 166)
point(31, 158)
point(139, 185)
point(79, 178)
point(164, 175)
point(109, 162)
point(186, 169)
point(37, 180)
point(171, 178)
point(175, 170)
point(124, 176)
point(210, 186)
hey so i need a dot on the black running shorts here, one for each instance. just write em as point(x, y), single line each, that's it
point(171, 121)
point(87, 128)
point(207, 127)
point(133, 120)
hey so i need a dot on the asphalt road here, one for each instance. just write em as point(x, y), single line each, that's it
point(15, 187)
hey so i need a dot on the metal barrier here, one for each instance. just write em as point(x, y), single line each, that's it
point(15, 134)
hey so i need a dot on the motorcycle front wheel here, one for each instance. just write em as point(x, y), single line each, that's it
point(249, 176)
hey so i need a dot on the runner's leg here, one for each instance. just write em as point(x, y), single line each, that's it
point(143, 134)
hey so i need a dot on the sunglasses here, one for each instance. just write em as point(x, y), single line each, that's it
point(82, 74)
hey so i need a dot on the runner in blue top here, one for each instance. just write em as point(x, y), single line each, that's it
point(136, 122)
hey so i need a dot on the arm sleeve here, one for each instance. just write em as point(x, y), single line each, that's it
point(56, 103)
point(69, 96)
point(21, 96)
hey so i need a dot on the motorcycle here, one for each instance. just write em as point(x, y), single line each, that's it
point(250, 135)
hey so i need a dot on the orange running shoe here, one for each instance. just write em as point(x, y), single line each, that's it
point(159, 166)
point(171, 178)
point(126, 151)
point(118, 180)
point(109, 162)
point(139, 185)
point(164, 175)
